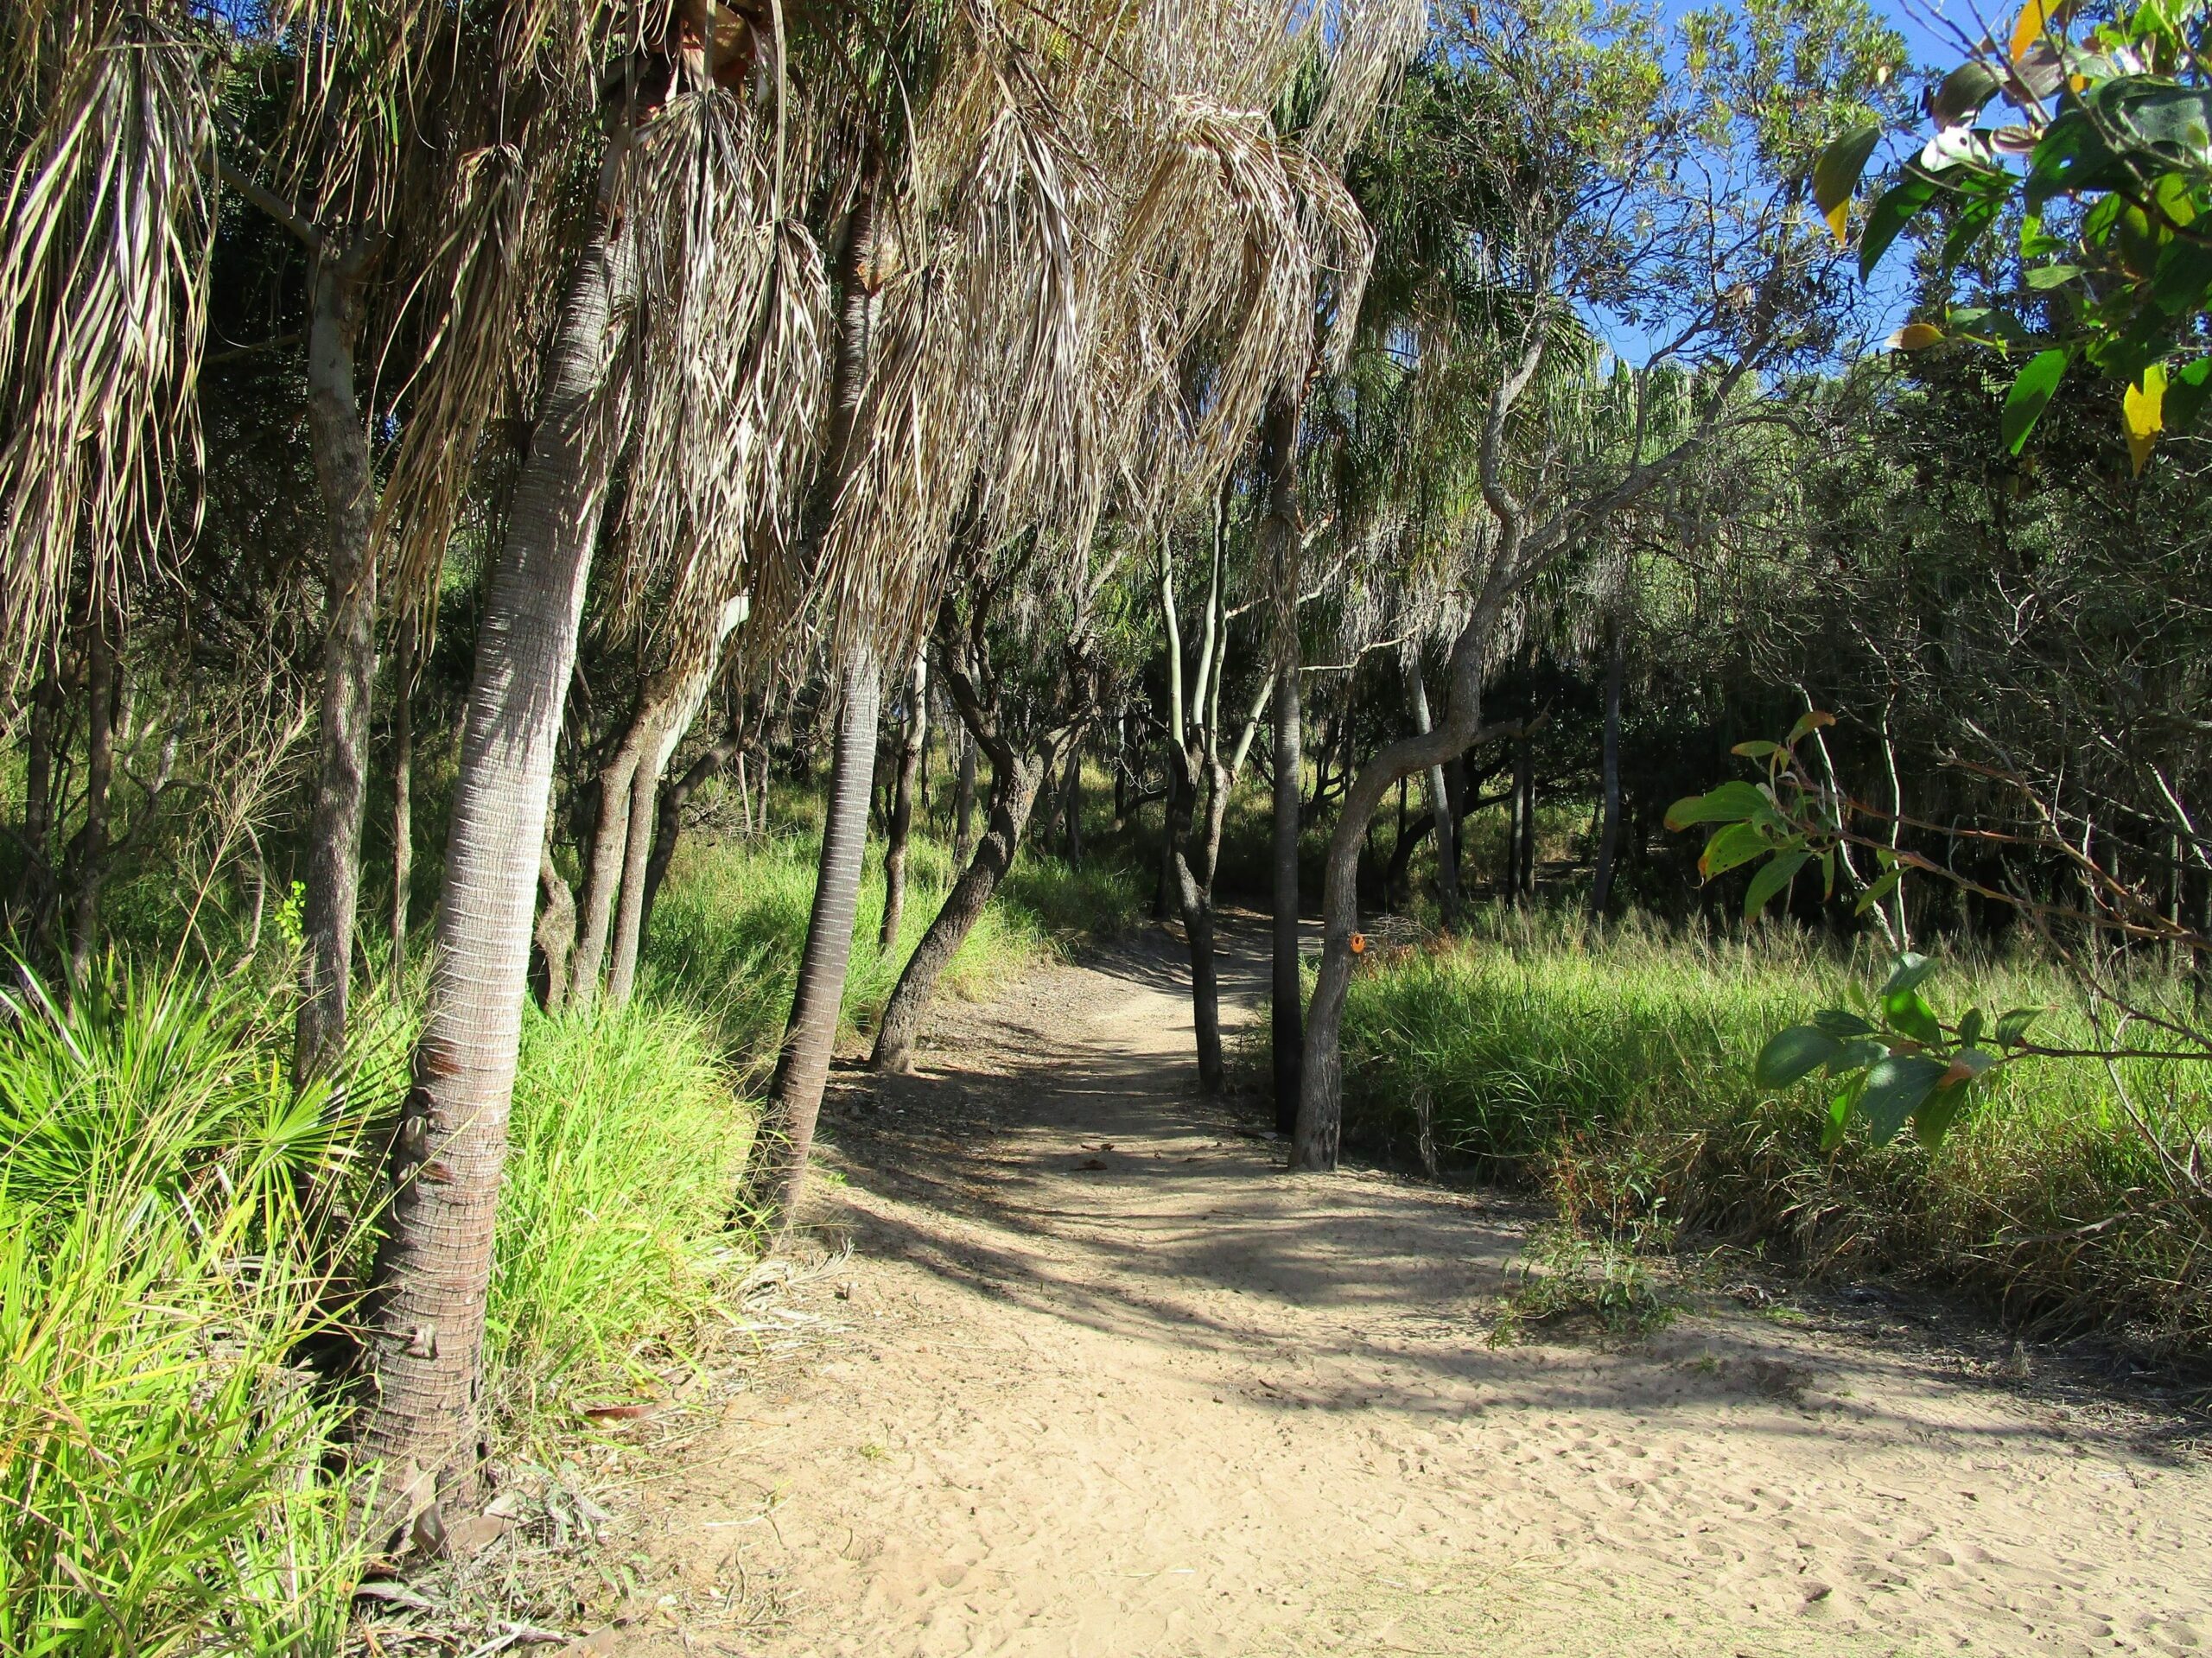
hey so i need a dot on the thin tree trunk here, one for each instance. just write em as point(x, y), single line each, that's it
point(963, 802)
point(669, 819)
point(1013, 796)
point(339, 438)
point(1194, 886)
point(555, 935)
point(902, 804)
point(1121, 770)
point(1609, 774)
point(102, 642)
point(1439, 801)
point(638, 848)
point(1071, 808)
point(609, 848)
point(403, 801)
point(1286, 990)
point(776, 1174)
point(434, 1266)
point(35, 892)
point(1163, 901)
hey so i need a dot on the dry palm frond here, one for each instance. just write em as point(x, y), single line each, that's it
point(104, 261)
point(725, 368)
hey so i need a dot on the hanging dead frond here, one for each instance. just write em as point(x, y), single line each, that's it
point(104, 242)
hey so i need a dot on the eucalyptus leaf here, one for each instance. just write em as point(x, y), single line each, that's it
point(1791, 1054)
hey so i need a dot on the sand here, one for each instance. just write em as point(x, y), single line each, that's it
point(1098, 1378)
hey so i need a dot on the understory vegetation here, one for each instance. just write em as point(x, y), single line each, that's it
point(181, 1227)
point(1611, 1067)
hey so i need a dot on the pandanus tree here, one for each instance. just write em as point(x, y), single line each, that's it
point(1606, 141)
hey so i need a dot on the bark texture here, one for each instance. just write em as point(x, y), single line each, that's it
point(88, 847)
point(403, 801)
point(1442, 823)
point(426, 1316)
point(776, 1177)
point(1286, 1013)
point(1609, 774)
point(339, 439)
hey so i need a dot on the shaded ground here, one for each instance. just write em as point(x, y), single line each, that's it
point(1099, 1379)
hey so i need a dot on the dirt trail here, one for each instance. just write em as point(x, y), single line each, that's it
point(1099, 1379)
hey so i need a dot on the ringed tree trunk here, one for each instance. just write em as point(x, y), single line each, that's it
point(1609, 770)
point(776, 1173)
point(425, 1316)
point(1015, 780)
point(902, 804)
point(339, 438)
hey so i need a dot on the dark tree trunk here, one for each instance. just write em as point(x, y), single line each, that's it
point(777, 1175)
point(103, 644)
point(1014, 795)
point(425, 1320)
point(915, 736)
point(338, 435)
point(1609, 774)
point(1194, 875)
point(1172, 805)
point(403, 801)
point(637, 853)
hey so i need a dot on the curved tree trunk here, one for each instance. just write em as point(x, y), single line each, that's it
point(1286, 1013)
point(1609, 774)
point(902, 804)
point(776, 1174)
point(1013, 796)
point(434, 1266)
point(339, 438)
point(554, 935)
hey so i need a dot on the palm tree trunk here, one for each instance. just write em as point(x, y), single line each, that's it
point(1609, 771)
point(1194, 888)
point(1013, 796)
point(338, 435)
point(603, 858)
point(776, 1175)
point(434, 1266)
point(902, 804)
point(403, 801)
point(637, 853)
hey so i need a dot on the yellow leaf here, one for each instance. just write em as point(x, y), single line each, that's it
point(1915, 336)
point(2142, 415)
point(1839, 218)
point(2034, 17)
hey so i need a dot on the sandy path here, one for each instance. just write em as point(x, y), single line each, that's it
point(1164, 1399)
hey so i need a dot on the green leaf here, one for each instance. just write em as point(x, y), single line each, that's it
point(1970, 1027)
point(2012, 1028)
point(1962, 94)
point(1933, 1120)
point(2052, 276)
point(1758, 750)
point(1883, 886)
point(1828, 874)
point(1895, 1088)
point(1774, 878)
point(1858, 1055)
point(1842, 1024)
point(1733, 802)
point(1893, 210)
point(1835, 174)
point(1736, 843)
point(1968, 228)
point(1807, 722)
point(1909, 972)
point(1840, 1111)
point(2186, 387)
point(1909, 1015)
point(2030, 393)
point(1791, 1054)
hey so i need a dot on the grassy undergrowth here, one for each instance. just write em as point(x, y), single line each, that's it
point(170, 1214)
point(1615, 1070)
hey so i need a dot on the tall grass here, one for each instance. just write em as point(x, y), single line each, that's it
point(160, 1450)
point(1616, 1067)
